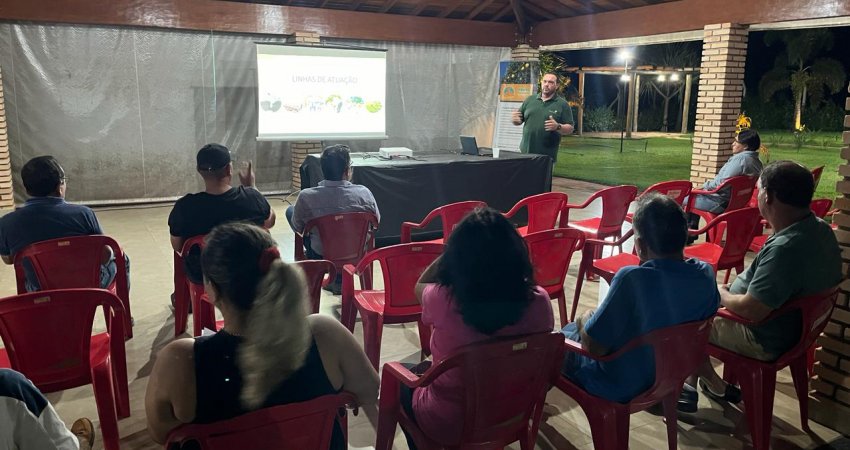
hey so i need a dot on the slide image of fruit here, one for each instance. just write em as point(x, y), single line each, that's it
point(334, 102)
point(373, 107)
point(270, 103)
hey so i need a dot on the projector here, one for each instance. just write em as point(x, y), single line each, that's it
point(395, 152)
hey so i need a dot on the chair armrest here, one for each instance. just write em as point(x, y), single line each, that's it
point(616, 243)
point(299, 247)
point(399, 372)
point(405, 230)
point(572, 346)
point(589, 200)
point(729, 315)
point(703, 191)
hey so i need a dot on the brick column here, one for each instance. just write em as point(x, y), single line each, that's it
point(300, 149)
point(6, 197)
point(524, 52)
point(721, 87)
point(830, 402)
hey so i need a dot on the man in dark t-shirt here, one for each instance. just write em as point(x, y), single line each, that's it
point(197, 214)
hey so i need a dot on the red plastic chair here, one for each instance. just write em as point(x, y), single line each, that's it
point(74, 262)
point(758, 378)
point(346, 237)
point(319, 273)
point(297, 426)
point(401, 266)
point(739, 226)
point(505, 383)
point(449, 215)
point(678, 350)
point(181, 296)
point(742, 191)
point(550, 252)
point(48, 338)
point(678, 190)
point(820, 207)
point(543, 211)
point(604, 267)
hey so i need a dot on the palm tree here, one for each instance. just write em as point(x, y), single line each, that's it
point(799, 69)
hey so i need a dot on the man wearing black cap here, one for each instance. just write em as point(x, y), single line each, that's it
point(197, 214)
point(46, 215)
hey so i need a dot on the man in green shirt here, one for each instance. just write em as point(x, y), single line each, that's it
point(801, 258)
point(547, 117)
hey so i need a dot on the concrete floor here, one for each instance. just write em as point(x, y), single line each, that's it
point(143, 233)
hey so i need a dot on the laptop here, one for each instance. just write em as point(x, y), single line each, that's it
point(470, 147)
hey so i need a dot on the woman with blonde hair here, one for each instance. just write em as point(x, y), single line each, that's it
point(270, 351)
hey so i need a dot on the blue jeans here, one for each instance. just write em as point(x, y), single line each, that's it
point(308, 250)
point(108, 270)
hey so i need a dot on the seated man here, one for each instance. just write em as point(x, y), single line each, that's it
point(336, 194)
point(197, 214)
point(46, 215)
point(29, 422)
point(665, 290)
point(801, 258)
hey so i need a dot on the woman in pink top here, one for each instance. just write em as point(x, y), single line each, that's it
point(482, 287)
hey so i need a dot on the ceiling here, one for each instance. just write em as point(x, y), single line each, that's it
point(522, 12)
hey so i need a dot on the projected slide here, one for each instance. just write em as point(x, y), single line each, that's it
point(320, 93)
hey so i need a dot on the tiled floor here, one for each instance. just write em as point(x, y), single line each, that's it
point(143, 233)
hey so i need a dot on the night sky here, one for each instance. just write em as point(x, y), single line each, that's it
point(601, 90)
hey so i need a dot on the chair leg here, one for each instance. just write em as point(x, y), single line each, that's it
point(810, 359)
point(726, 278)
point(609, 428)
point(758, 387)
point(586, 260)
point(348, 312)
point(104, 397)
point(800, 375)
point(562, 307)
point(671, 416)
point(373, 327)
point(388, 410)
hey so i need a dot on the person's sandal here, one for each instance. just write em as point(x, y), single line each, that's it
point(732, 394)
point(83, 429)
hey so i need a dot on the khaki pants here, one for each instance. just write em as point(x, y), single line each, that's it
point(738, 338)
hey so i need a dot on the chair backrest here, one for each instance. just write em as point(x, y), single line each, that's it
point(740, 189)
point(615, 206)
point(401, 266)
point(296, 426)
point(678, 190)
point(678, 351)
point(740, 225)
point(821, 206)
point(345, 236)
point(550, 252)
point(543, 210)
point(815, 311)
point(318, 273)
point(71, 262)
point(453, 213)
point(816, 174)
point(504, 381)
point(47, 334)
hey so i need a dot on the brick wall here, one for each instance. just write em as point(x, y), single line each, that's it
point(6, 197)
point(830, 401)
point(300, 149)
point(721, 85)
point(524, 52)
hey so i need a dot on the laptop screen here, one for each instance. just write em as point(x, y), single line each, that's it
point(468, 145)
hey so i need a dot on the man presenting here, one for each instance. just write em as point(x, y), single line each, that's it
point(547, 117)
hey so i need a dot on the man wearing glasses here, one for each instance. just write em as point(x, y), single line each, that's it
point(336, 194)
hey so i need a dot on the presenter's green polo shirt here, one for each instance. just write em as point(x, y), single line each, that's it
point(535, 111)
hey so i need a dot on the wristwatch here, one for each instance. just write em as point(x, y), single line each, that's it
point(559, 127)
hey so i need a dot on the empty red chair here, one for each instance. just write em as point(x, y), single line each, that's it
point(449, 215)
point(741, 192)
point(678, 351)
point(678, 190)
point(74, 262)
point(48, 337)
point(346, 237)
point(604, 267)
point(550, 252)
point(296, 426)
point(543, 211)
point(401, 266)
point(739, 226)
point(758, 378)
point(505, 383)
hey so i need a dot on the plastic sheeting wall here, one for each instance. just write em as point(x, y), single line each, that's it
point(125, 110)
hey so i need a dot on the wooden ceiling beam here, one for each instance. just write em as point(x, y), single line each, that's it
point(481, 7)
point(519, 14)
point(356, 5)
point(534, 9)
point(448, 10)
point(508, 8)
point(580, 6)
point(388, 6)
point(419, 9)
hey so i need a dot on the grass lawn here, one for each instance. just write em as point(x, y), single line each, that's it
point(648, 161)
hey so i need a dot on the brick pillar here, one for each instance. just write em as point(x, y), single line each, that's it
point(6, 197)
point(300, 149)
point(830, 402)
point(721, 87)
point(524, 52)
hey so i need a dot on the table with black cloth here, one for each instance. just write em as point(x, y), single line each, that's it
point(406, 190)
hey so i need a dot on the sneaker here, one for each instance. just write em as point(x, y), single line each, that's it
point(688, 400)
point(83, 430)
point(731, 395)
